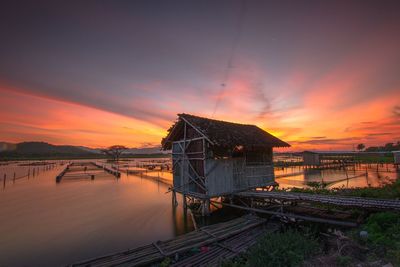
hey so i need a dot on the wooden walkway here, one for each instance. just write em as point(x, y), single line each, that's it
point(225, 239)
point(228, 249)
point(353, 202)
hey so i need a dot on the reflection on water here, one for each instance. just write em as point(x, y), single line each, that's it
point(47, 224)
point(352, 176)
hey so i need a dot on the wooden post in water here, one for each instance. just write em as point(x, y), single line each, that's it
point(206, 207)
point(14, 178)
point(184, 202)
point(174, 201)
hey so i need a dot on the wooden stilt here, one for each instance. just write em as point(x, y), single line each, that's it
point(184, 202)
point(206, 207)
point(174, 201)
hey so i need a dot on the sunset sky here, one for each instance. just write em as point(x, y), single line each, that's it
point(317, 74)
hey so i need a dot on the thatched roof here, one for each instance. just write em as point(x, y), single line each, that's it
point(224, 134)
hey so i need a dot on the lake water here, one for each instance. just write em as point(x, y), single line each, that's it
point(44, 223)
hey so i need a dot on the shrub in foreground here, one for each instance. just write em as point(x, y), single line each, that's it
point(384, 235)
point(290, 248)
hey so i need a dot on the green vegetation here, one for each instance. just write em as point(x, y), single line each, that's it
point(114, 151)
point(388, 191)
point(380, 246)
point(344, 261)
point(166, 262)
point(360, 147)
point(290, 248)
point(384, 236)
point(386, 158)
point(387, 147)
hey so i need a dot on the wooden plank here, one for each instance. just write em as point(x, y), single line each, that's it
point(360, 202)
point(157, 251)
point(289, 215)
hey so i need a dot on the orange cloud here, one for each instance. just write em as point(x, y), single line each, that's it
point(26, 117)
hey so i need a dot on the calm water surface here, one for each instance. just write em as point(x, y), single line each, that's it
point(43, 223)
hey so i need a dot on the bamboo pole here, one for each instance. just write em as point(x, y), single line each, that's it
point(294, 216)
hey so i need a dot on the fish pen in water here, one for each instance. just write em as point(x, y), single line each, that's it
point(12, 172)
point(85, 170)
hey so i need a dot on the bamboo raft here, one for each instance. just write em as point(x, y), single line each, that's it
point(228, 249)
point(343, 201)
point(82, 171)
point(205, 236)
point(112, 171)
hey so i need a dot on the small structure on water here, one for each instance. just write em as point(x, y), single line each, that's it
point(328, 158)
point(396, 157)
point(213, 158)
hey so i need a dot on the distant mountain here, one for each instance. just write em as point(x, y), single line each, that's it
point(42, 149)
point(6, 146)
point(134, 151)
point(90, 150)
point(144, 150)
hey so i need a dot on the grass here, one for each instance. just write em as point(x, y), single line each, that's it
point(388, 191)
point(387, 158)
point(384, 236)
point(290, 248)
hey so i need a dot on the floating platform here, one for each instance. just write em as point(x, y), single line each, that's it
point(111, 170)
point(85, 170)
point(343, 201)
point(218, 241)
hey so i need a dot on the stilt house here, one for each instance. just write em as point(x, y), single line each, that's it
point(213, 158)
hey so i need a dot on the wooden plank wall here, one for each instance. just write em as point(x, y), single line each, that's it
point(225, 176)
